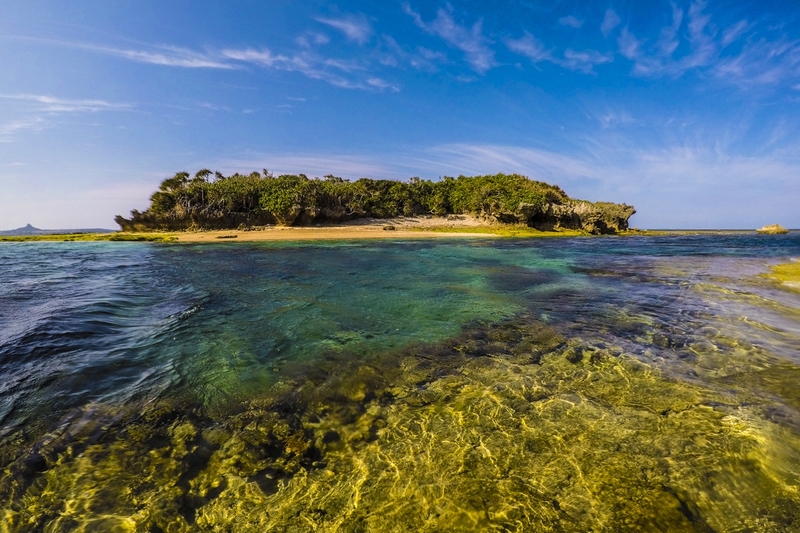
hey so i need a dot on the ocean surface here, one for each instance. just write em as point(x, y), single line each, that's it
point(571, 384)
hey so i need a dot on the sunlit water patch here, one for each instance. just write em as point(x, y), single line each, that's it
point(515, 385)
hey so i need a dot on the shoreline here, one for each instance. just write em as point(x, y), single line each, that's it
point(318, 234)
point(426, 227)
point(423, 227)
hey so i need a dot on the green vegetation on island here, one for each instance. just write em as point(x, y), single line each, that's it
point(214, 201)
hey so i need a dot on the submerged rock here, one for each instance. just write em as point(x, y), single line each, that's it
point(774, 229)
point(506, 426)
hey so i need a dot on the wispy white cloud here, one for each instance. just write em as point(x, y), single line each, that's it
point(610, 21)
point(731, 34)
point(163, 55)
point(305, 60)
point(571, 21)
point(689, 42)
point(168, 56)
point(428, 58)
point(445, 159)
point(391, 50)
point(762, 62)
point(583, 60)
point(530, 47)
point(308, 39)
point(470, 40)
point(668, 40)
point(701, 39)
point(335, 71)
point(628, 44)
point(345, 65)
point(705, 187)
point(9, 129)
point(50, 104)
point(470, 159)
point(262, 57)
point(311, 65)
point(38, 112)
point(382, 84)
point(610, 118)
point(355, 27)
point(659, 60)
point(214, 107)
point(420, 58)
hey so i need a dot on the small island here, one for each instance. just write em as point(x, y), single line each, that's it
point(211, 201)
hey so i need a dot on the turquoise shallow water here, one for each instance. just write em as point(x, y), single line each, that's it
point(511, 385)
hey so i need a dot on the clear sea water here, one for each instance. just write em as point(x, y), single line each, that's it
point(571, 384)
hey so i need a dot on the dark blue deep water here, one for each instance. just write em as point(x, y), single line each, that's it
point(575, 384)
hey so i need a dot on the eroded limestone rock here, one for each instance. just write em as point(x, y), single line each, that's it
point(773, 229)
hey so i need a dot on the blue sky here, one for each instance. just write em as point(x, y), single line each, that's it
point(689, 111)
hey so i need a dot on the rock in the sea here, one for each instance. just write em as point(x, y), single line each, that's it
point(774, 229)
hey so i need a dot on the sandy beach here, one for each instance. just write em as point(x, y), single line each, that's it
point(368, 228)
point(309, 234)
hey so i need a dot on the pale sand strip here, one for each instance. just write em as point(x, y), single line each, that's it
point(364, 228)
point(322, 233)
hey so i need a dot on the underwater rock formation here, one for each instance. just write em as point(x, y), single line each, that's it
point(505, 427)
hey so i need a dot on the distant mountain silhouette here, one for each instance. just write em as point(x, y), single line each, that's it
point(30, 230)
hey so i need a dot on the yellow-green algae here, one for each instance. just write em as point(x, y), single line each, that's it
point(506, 427)
point(523, 231)
point(69, 237)
point(505, 230)
point(787, 274)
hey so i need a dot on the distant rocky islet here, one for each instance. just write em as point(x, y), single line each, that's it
point(30, 230)
point(773, 229)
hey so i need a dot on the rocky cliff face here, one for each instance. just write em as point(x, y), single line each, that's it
point(595, 218)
